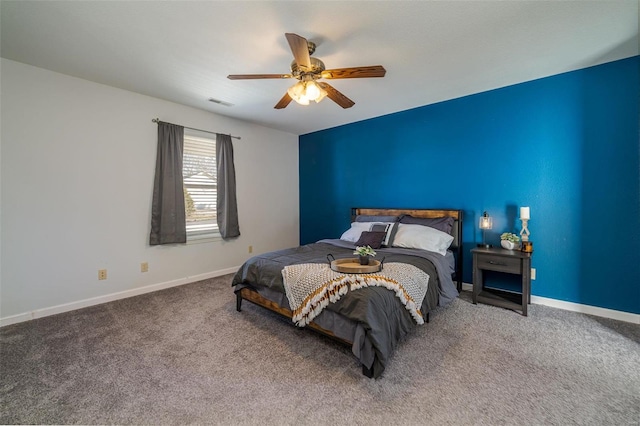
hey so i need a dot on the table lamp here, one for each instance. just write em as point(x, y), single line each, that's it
point(485, 223)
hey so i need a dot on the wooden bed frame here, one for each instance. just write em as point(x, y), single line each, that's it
point(456, 246)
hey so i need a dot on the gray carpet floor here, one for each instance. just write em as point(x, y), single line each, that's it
point(185, 356)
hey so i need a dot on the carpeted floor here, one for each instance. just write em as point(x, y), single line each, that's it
point(185, 356)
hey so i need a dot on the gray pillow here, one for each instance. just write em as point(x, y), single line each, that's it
point(372, 218)
point(444, 224)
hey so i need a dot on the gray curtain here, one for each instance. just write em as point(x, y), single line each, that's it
point(227, 205)
point(168, 224)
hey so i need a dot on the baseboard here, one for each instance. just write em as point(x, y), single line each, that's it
point(53, 310)
point(577, 307)
point(587, 309)
point(45, 312)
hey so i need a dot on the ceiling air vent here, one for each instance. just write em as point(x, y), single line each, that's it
point(218, 101)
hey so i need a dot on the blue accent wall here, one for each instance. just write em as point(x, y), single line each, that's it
point(567, 146)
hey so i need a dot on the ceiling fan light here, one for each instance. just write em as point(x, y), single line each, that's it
point(304, 91)
point(313, 91)
point(322, 94)
point(297, 92)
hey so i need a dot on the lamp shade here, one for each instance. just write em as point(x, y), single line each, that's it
point(486, 221)
point(306, 90)
point(525, 213)
point(298, 94)
point(313, 91)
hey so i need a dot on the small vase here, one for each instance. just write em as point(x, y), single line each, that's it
point(364, 260)
point(509, 245)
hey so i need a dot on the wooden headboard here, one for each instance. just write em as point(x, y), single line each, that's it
point(456, 245)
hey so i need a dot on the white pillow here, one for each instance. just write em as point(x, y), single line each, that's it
point(422, 237)
point(353, 234)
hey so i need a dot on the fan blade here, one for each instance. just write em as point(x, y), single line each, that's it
point(336, 96)
point(256, 76)
point(300, 49)
point(358, 72)
point(282, 103)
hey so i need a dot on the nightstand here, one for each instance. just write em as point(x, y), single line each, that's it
point(508, 262)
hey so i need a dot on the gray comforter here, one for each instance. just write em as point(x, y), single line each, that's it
point(380, 319)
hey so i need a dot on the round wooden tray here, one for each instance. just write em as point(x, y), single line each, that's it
point(353, 266)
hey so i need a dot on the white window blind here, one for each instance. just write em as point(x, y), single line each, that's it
point(200, 184)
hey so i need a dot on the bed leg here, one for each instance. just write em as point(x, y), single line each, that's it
point(238, 302)
point(367, 371)
point(427, 317)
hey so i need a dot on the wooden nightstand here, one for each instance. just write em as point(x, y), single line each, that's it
point(508, 262)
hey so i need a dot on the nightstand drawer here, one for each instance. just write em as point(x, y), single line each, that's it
point(500, 263)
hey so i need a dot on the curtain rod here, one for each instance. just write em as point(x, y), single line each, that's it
point(157, 120)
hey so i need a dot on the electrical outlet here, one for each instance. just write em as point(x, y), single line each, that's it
point(102, 274)
point(250, 249)
point(533, 273)
point(144, 267)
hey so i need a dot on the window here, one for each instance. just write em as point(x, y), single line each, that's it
point(200, 185)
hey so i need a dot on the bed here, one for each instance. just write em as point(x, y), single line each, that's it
point(372, 319)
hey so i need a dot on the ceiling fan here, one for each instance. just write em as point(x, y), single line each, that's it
point(308, 70)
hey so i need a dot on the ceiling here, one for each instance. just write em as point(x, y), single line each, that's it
point(432, 50)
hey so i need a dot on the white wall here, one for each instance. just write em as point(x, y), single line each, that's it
point(77, 168)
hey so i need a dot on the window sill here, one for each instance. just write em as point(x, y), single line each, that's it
point(204, 238)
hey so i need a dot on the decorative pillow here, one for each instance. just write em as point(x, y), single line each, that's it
point(383, 227)
point(380, 227)
point(392, 234)
point(444, 224)
point(371, 238)
point(422, 237)
point(371, 218)
point(353, 234)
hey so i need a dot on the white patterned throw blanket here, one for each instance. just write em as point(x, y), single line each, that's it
point(311, 286)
